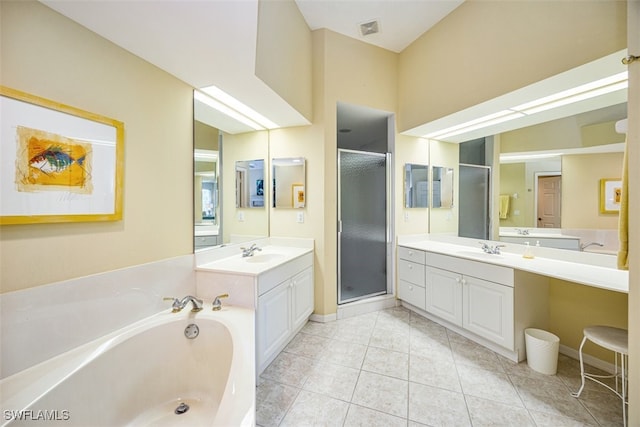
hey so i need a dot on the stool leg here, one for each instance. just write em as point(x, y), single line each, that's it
point(577, 393)
point(624, 390)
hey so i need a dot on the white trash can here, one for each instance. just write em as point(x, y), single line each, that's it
point(542, 349)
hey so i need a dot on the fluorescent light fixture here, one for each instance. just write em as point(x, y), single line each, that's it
point(228, 100)
point(579, 93)
point(515, 157)
point(490, 120)
point(205, 155)
point(207, 100)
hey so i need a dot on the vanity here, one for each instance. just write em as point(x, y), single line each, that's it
point(276, 281)
point(490, 298)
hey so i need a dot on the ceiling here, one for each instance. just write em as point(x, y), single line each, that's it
point(213, 42)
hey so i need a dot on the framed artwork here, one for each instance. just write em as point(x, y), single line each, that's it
point(59, 163)
point(298, 195)
point(610, 194)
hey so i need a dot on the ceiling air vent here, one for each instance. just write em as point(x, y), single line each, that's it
point(370, 27)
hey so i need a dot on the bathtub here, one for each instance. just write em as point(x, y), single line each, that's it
point(142, 374)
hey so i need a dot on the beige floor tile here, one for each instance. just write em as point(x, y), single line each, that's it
point(382, 393)
point(434, 371)
point(387, 362)
point(359, 416)
point(471, 353)
point(326, 329)
point(289, 369)
point(390, 340)
point(485, 412)
point(344, 353)
point(311, 346)
point(332, 380)
point(486, 384)
point(437, 407)
point(311, 409)
point(273, 399)
point(551, 398)
point(543, 419)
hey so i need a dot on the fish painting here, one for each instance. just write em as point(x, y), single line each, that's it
point(53, 160)
point(47, 161)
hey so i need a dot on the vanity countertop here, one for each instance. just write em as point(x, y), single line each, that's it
point(268, 258)
point(570, 269)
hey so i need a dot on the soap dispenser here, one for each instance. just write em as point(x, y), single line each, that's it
point(528, 253)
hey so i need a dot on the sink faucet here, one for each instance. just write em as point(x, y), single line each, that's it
point(494, 250)
point(585, 246)
point(246, 252)
point(217, 304)
point(522, 231)
point(178, 304)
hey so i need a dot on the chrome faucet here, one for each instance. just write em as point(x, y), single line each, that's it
point(217, 304)
point(585, 246)
point(247, 252)
point(494, 250)
point(522, 231)
point(178, 304)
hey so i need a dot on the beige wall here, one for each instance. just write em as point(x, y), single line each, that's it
point(409, 150)
point(283, 53)
point(512, 182)
point(484, 49)
point(581, 176)
point(444, 154)
point(48, 55)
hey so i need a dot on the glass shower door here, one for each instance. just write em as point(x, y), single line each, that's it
point(362, 225)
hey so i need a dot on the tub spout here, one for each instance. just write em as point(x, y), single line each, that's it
point(178, 304)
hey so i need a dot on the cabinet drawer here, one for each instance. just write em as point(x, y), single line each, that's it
point(482, 270)
point(413, 255)
point(414, 295)
point(411, 272)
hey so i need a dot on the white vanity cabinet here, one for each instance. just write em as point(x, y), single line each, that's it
point(282, 312)
point(474, 295)
point(411, 276)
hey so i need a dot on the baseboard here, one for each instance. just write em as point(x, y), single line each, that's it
point(365, 306)
point(588, 360)
point(322, 318)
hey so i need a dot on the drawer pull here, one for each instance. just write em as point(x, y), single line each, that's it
point(410, 288)
point(410, 266)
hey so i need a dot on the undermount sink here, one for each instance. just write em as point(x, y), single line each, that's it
point(264, 258)
point(479, 254)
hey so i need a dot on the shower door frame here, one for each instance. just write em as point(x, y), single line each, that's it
point(389, 226)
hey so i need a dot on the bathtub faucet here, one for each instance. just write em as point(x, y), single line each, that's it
point(178, 304)
point(247, 252)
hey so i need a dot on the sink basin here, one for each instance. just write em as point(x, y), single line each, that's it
point(261, 258)
point(478, 254)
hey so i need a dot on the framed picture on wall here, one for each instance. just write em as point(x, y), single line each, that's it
point(298, 196)
point(610, 195)
point(59, 163)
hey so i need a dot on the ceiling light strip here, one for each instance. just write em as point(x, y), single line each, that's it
point(223, 97)
point(224, 109)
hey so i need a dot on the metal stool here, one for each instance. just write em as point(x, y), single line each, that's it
point(616, 340)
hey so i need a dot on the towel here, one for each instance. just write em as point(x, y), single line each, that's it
point(504, 206)
point(623, 220)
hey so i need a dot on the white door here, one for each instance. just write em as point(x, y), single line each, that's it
point(444, 294)
point(549, 201)
point(488, 310)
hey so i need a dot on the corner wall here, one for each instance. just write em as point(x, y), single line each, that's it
point(46, 54)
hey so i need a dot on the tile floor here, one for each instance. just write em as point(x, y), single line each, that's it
point(396, 368)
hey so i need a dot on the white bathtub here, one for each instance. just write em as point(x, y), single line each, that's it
point(140, 374)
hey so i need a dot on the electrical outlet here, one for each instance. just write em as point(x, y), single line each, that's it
point(241, 216)
point(406, 217)
point(300, 217)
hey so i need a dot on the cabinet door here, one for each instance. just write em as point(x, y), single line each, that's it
point(444, 294)
point(301, 297)
point(273, 322)
point(488, 310)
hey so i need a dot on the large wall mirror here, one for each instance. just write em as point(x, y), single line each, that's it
point(289, 182)
point(225, 211)
point(573, 146)
point(416, 186)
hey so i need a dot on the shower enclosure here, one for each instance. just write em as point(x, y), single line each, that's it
point(363, 235)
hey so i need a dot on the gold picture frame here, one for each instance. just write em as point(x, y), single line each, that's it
point(59, 163)
point(610, 193)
